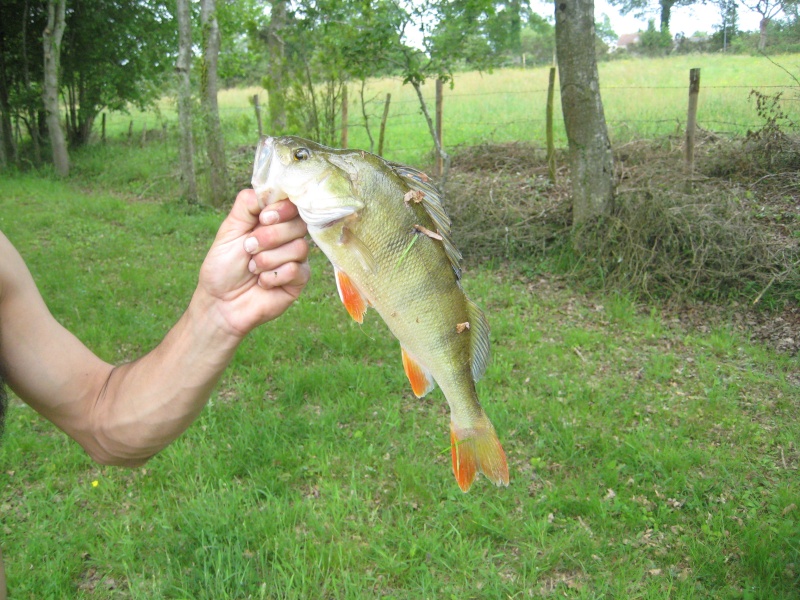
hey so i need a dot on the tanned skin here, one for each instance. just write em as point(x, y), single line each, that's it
point(123, 415)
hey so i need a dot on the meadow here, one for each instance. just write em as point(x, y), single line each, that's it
point(648, 459)
point(642, 98)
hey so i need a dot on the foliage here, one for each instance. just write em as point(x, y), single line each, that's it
point(113, 54)
point(653, 42)
point(642, 8)
point(538, 40)
point(241, 61)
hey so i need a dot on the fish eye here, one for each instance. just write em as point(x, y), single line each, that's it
point(302, 154)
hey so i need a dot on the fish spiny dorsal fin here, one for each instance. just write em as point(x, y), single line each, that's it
point(431, 201)
point(479, 339)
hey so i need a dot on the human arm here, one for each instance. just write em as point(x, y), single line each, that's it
point(126, 414)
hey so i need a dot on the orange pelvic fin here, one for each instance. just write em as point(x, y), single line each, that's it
point(421, 380)
point(352, 299)
point(477, 450)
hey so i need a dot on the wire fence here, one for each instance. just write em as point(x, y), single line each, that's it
point(507, 113)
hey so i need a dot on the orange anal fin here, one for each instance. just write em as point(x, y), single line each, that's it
point(421, 380)
point(474, 451)
point(352, 299)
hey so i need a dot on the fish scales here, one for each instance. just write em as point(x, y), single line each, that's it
point(396, 256)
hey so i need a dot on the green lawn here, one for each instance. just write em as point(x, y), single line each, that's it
point(647, 461)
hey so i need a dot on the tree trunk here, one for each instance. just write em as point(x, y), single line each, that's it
point(591, 162)
point(51, 38)
point(3, 159)
point(8, 149)
point(762, 34)
point(274, 82)
point(183, 69)
point(215, 145)
point(666, 10)
point(440, 153)
point(33, 128)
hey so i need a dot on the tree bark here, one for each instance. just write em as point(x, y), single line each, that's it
point(274, 82)
point(215, 145)
point(762, 34)
point(33, 128)
point(51, 39)
point(183, 69)
point(8, 148)
point(666, 10)
point(440, 153)
point(590, 158)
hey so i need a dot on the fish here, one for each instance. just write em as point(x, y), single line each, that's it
point(383, 227)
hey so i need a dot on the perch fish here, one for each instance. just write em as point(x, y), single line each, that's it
point(384, 229)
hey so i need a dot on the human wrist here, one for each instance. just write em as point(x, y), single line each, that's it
point(209, 315)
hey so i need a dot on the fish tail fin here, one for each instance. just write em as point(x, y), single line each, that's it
point(477, 449)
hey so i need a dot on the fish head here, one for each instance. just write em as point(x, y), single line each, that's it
point(309, 175)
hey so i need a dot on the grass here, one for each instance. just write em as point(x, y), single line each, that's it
point(647, 461)
point(642, 98)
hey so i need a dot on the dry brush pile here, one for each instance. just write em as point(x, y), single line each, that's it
point(733, 232)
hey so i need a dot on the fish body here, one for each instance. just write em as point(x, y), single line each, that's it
point(383, 228)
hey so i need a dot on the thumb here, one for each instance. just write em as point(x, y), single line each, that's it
point(247, 213)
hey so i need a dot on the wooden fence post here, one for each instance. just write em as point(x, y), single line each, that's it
point(551, 148)
point(383, 124)
point(257, 107)
point(103, 130)
point(439, 169)
point(344, 116)
point(691, 122)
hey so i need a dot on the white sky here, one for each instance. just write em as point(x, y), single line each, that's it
point(686, 20)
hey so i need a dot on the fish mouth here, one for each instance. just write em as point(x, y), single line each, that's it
point(264, 152)
point(266, 192)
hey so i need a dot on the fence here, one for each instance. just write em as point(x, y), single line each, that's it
point(503, 109)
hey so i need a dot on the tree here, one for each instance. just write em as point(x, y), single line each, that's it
point(768, 9)
point(116, 53)
point(215, 143)
point(274, 82)
point(183, 70)
point(590, 159)
point(641, 8)
point(452, 32)
point(51, 40)
point(538, 40)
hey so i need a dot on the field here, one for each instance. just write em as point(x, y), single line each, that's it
point(648, 458)
point(642, 98)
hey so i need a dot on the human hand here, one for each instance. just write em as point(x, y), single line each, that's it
point(257, 265)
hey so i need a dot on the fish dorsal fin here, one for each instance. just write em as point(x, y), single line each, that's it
point(431, 201)
point(479, 339)
point(421, 380)
point(352, 299)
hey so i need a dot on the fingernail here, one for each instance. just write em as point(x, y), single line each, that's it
point(250, 245)
point(269, 217)
point(251, 266)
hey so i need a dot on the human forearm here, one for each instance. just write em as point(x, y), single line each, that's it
point(147, 404)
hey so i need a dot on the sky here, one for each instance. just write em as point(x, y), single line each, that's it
point(687, 20)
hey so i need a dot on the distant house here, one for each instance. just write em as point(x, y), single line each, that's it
point(626, 39)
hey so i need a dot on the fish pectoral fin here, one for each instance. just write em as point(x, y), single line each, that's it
point(421, 380)
point(477, 449)
point(353, 300)
point(361, 250)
